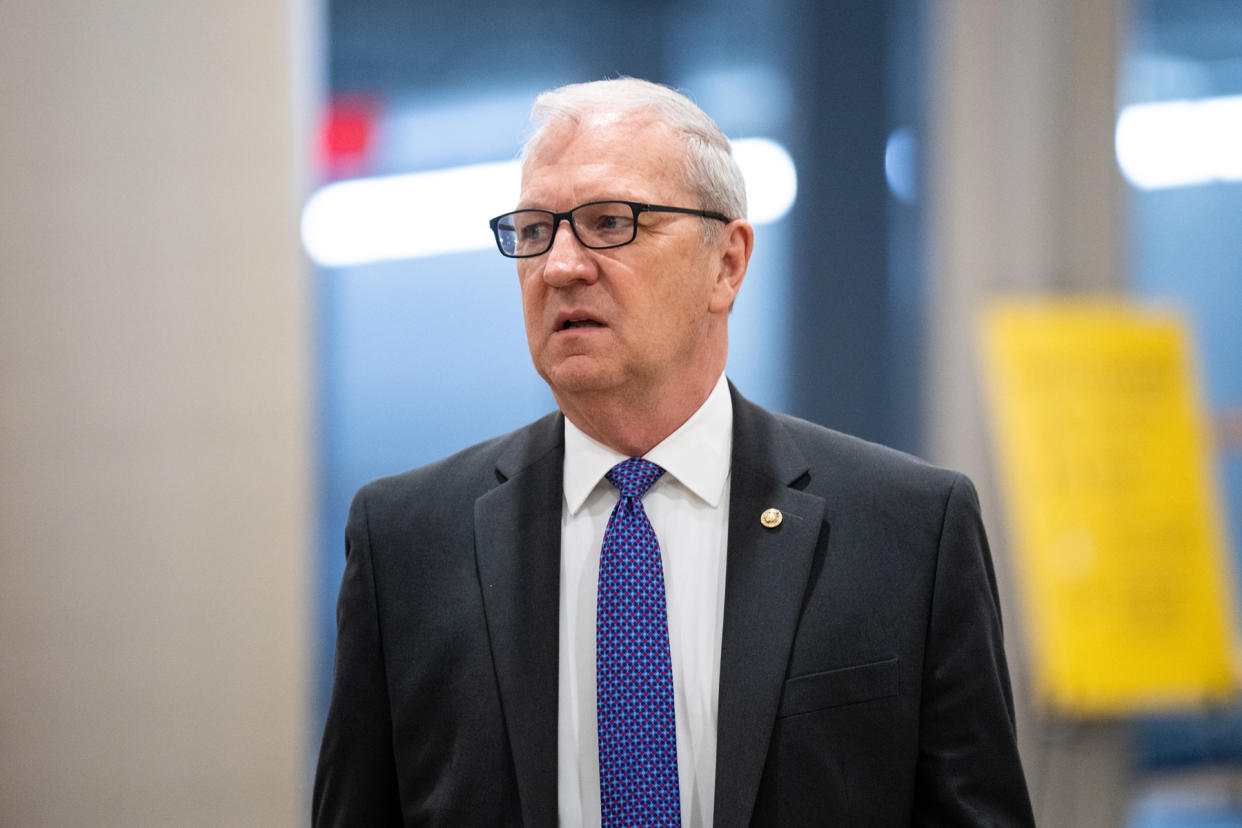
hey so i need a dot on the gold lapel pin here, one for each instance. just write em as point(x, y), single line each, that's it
point(771, 518)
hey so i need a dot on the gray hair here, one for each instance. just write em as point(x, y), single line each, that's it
point(711, 172)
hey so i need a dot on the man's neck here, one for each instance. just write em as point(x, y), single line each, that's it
point(634, 426)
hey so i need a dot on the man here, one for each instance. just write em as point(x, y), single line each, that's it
point(787, 627)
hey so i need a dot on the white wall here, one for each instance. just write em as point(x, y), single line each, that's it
point(154, 398)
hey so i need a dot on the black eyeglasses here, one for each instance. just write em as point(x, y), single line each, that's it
point(599, 225)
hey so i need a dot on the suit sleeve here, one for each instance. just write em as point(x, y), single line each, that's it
point(969, 772)
point(356, 779)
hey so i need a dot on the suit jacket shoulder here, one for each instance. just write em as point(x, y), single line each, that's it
point(437, 491)
point(867, 469)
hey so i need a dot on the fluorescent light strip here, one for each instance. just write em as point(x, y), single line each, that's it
point(1180, 143)
point(388, 218)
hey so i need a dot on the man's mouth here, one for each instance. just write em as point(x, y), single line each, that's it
point(581, 323)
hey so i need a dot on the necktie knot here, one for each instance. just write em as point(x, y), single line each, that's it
point(634, 477)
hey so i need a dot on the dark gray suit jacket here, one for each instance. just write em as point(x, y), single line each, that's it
point(862, 679)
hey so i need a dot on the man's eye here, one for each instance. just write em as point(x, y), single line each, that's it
point(612, 222)
point(535, 231)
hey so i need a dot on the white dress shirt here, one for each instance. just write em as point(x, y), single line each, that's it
point(689, 510)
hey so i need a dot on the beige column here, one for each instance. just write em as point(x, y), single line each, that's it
point(1024, 198)
point(154, 398)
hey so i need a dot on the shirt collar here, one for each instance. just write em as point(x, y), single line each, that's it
point(697, 454)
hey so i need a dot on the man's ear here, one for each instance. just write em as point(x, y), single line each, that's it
point(734, 245)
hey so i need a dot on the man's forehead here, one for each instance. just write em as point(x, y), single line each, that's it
point(603, 144)
point(606, 119)
point(598, 127)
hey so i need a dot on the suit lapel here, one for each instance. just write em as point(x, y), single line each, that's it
point(766, 578)
point(518, 549)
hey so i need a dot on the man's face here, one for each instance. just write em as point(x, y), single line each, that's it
point(635, 319)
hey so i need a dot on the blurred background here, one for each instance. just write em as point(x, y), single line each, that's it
point(245, 268)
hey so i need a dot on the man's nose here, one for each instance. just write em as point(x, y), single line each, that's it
point(568, 261)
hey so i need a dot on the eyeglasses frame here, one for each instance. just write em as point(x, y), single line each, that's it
point(557, 218)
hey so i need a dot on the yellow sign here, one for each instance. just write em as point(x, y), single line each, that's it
point(1113, 509)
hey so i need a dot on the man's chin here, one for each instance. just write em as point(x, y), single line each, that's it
point(581, 375)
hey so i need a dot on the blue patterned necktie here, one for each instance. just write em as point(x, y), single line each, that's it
point(633, 671)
